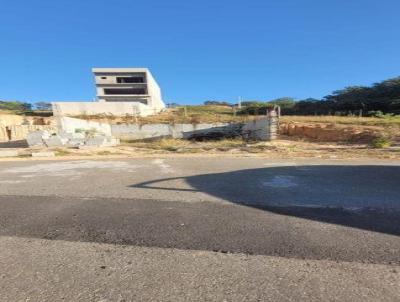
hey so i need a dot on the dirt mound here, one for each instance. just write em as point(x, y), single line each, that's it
point(330, 132)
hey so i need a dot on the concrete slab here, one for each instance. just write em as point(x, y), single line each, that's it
point(55, 141)
point(43, 154)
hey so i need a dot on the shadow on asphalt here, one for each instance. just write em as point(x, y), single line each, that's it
point(364, 197)
point(263, 221)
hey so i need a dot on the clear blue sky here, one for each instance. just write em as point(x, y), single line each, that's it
point(198, 50)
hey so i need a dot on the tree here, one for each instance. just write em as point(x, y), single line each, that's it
point(217, 103)
point(43, 106)
point(284, 102)
point(15, 106)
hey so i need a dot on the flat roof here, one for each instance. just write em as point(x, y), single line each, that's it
point(122, 70)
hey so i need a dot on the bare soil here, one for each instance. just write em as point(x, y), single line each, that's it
point(285, 147)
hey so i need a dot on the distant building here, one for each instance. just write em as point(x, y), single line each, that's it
point(120, 91)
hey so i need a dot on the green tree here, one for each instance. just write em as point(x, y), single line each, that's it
point(43, 106)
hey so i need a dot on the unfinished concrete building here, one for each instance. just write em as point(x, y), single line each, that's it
point(119, 91)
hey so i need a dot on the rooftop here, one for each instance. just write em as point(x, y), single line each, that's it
point(120, 70)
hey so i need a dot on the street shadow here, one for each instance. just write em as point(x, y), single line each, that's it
point(275, 212)
point(365, 197)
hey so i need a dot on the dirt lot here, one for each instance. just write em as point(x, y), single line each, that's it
point(353, 130)
point(300, 137)
point(285, 147)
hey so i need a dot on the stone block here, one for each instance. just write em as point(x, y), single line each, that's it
point(8, 153)
point(36, 138)
point(55, 141)
point(66, 135)
point(111, 142)
point(96, 141)
point(75, 142)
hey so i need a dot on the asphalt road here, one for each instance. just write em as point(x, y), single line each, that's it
point(199, 229)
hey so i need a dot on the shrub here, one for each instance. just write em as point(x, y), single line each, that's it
point(381, 142)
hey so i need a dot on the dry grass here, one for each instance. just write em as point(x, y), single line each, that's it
point(2, 111)
point(223, 114)
point(345, 120)
point(62, 152)
point(282, 148)
point(170, 145)
point(185, 114)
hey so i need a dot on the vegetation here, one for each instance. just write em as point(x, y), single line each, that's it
point(15, 106)
point(62, 152)
point(381, 142)
point(43, 106)
point(378, 100)
point(217, 103)
point(344, 120)
point(195, 115)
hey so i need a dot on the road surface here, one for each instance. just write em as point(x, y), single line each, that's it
point(199, 229)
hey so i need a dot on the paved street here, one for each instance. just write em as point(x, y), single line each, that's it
point(199, 228)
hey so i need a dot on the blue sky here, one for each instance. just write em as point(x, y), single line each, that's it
point(198, 50)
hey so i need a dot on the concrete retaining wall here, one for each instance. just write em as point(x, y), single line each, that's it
point(264, 128)
point(260, 129)
point(73, 125)
point(135, 132)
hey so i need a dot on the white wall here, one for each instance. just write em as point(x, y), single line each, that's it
point(70, 125)
point(107, 108)
point(154, 92)
point(260, 129)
